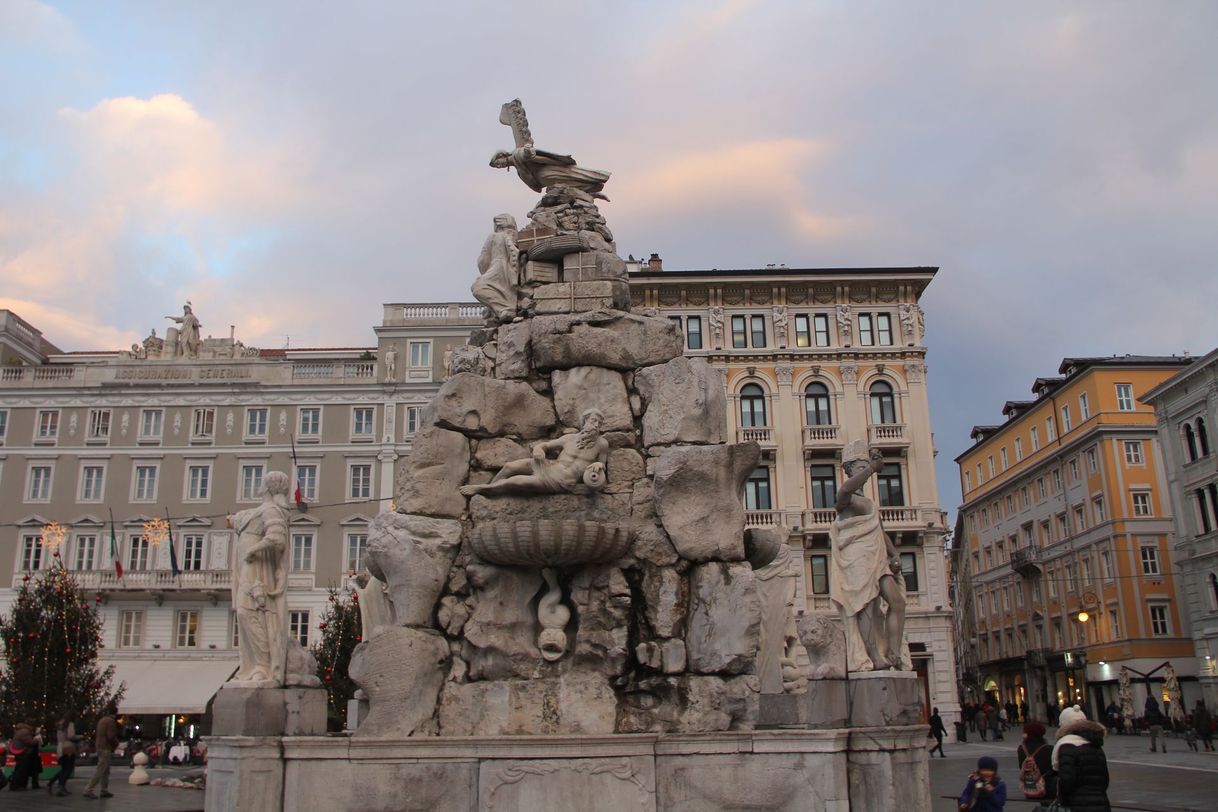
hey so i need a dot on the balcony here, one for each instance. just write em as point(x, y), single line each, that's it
point(888, 435)
point(414, 314)
point(762, 435)
point(819, 518)
point(41, 374)
point(821, 438)
point(1026, 561)
point(365, 370)
point(762, 518)
point(154, 581)
point(891, 516)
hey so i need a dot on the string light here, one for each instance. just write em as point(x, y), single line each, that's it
point(53, 536)
point(156, 530)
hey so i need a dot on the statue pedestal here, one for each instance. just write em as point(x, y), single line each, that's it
point(823, 706)
point(883, 698)
point(269, 712)
point(888, 766)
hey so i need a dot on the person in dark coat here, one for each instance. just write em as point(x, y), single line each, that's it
point(985, 791)
point(938, 731)
point(1203, 723)
point(1041, 751)
point(1080, 763)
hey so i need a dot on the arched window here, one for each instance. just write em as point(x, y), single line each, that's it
point(1203, 438)
point(816, 405)
point(1190, 443)
point(883, 405)
point(752, 406)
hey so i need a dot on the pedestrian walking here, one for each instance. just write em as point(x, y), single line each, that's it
point(67, 766)
point(983, 723)
point(1154, 722)
point(985, 791)
point(938, 731)
point(1034, 757)
point(995, 723)
point(1080, 763)
point(1203, 723)
point(105, 742)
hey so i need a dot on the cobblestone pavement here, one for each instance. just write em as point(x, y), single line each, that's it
point(1177, 781)
point(126, 797)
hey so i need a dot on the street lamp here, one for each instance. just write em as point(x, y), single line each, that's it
point(1083, 617)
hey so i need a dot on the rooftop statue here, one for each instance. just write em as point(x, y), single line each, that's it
point(540, 169)
point(187, 333)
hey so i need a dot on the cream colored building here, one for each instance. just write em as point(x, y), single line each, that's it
point(813, 359)
point(1186, 407)
point(87, 436)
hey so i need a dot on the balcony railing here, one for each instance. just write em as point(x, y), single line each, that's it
point(154, 580)
point(762, 518)
point(763, 435)
point(821, 437)
point(323, 370)
point(1026, 560)
point(46, 373)
point(887, 434)
point(819, 517)
point(898, 515)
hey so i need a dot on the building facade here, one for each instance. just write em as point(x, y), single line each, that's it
point(1186, 406)
point(815, 358)
point(1063, 543)
point(95, 441)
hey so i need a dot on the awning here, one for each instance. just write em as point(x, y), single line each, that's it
point(169, 686)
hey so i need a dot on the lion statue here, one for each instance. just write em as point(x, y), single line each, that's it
point(826, 645)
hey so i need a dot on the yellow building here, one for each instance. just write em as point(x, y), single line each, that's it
point(1065, 541)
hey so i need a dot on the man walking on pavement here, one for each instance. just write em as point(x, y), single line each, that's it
point(106, 741)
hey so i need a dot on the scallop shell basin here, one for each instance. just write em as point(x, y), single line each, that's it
point(549, 542)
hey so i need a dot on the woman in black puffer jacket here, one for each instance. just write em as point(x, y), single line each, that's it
point(1082, 768)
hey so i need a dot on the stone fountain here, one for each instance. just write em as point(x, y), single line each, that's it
point(567, 611)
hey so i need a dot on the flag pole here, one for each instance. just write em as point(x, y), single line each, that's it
point(174, 569)
point(114, 559)
point(300, 505)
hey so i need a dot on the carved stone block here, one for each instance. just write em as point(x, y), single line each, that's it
point(488, 407)
point(241, 711)
point(542, 273)
point(512, 359)
point(571, 704)
point(581, 388)
point(427, 480)
point(724, 619)
point(684, 402)
point(402, 671)
point(412, 555)
point(697, 495)
point(585, 266)
point(587, 784)
point(605, 339)
point(582, 297)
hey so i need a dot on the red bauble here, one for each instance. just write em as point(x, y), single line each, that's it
point(328, 677)
point(321, 625)
point(56, 554)
point(358, 638)
point(25, 578)
point(67, 651)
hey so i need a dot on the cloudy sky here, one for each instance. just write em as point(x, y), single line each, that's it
point(289, 166)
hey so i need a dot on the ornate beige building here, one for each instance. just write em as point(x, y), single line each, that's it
point(815, 358)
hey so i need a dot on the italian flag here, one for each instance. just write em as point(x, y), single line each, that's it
point(118, 565)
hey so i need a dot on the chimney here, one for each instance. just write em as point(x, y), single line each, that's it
point(655, 264)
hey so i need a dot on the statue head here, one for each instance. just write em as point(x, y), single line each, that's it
point(552, 643)
point(592, 420)
point(276, 484)
point(501, 159)
point(504, 222)
point(855, 456)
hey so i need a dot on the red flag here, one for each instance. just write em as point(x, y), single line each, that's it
point(118, 565)
point(296, 475)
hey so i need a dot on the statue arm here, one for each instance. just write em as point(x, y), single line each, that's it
point(484, 258)
point(276, 541)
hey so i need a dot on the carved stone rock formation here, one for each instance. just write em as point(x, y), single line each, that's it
point(427, 481)
point(612, 339)
point(697, 493)
point(581, 388)
point(401, 672)
point(685, 402)
point(412, 555)
point(501, 633)
point(724, 619)
point(487, 407)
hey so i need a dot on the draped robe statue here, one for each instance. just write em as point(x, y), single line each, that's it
point(260, 579)
point(499, 270)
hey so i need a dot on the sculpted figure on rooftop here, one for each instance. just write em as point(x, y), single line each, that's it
point(187, 333)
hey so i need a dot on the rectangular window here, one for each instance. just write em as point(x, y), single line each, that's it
point(1124, 393)
point(820, 328)
point(1065, 419)
point(298, 626)
point(1114, 624)
point(192, 551)
point(1093, 464)
point(1046, 533)
point(1073, 466)
point(693, 333)
point(803, 331)
point(145, 484)
point(139, 554)
point(236, 629)
point(740, 337)
point(1041, 493)
point(198, 483)
point(1141, 503)
point(1024, 501)
point(1006, 462)
point(86, 552)
point(420, 354)
point(414, 420)
point(1071, 578)
point(890, 487)
point(866, 334)
point(3, 425)
point(48, 424)
point(1133, 452)
point(203, 424)
point(1085, 567)
point(306, 477)
point(1080, 519)
point(1035, 439)
point(1098, 504)
point(1063, 528)
point(302, 552)
point(1057, 480)
point(310, 422)
point(1010, 504)
point(980, 478)
point(1051, 580)
point(968, 481)
point(255, 424)
point(1050, 429)
point(251, 480)
point(357, 545)
point(99, 424)
point(151, 423)
point(92, 483)
point(1084, 407)
point(1159, 624)
point(361, 481)
point(824, 486)
point(820, 574)
point(757, 328)
point(31, 553)
point(40, 483)
point(131, 628)
point(187, 626)
point(883, 329)
point(1106, 565)
point(361, 421)
point(1018, 449)
point(909, 568)
point(990, 462)
point(757, 490)
point(1150, 560)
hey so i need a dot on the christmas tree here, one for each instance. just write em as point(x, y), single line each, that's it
point(340, 633)
point(51, 638)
